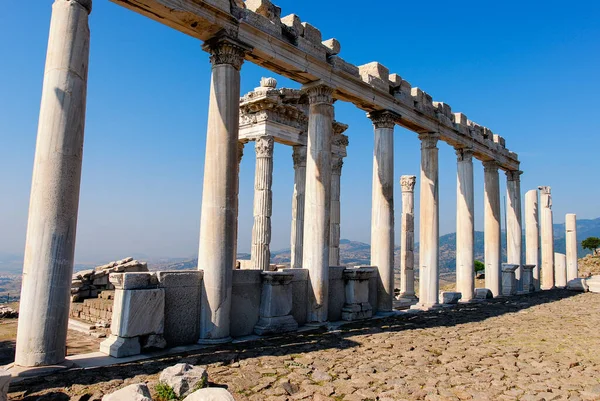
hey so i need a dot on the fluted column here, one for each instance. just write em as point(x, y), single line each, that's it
point(219, 198)
point(465, 229)
point(532, 235)
point(240, 155)
point(547, 235)
point(382, 208)
point(334, 234)
point(54, 199)
point(315, 256)
point(407, 238)
point(263, 199)
point(493, 272)
point(299, 157)
point(571, 228)
point(429, 230)
point(514, 233)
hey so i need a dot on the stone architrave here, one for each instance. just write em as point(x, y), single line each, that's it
point(571, 228)
point(334, 235)
point(532, 235)
point(54, 201)
point(276, 304)
point(493, 273)
point(219, 200)
point(407, 238)
point(465, 229)
point(429, 238)
point(299, 157)
point(514, 233)
point(317, 200)
point(382, 208)
point(547, 235)
point(263, 200)
point(560, 270)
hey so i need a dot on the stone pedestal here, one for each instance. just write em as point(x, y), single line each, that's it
point(571, 227)
point(450, 297)
point(382, 212)
point(509, 281)
point(407, 239)
point(317, 200)
point(54, 200)
point(527, 278)
point(276, 304)
point(299, 157)
point(263, 199)
point(219, 199)
point(357, 304)
point(483, 293)
point(429, 237)
point(334, 226)
point(532, 235)
point(465, 229)
point(492, 228)
point(560, 270)
point(514, 234)
point(547, 235)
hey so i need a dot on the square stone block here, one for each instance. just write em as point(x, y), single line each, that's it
point(120, 347)
point(132, 281)
point(138, 312)
point(276, 297)
point(509, 281)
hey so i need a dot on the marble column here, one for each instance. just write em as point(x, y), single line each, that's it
point(429, 229)
point(240, 155)
point(571, 228)
point(334, 235)
point(299, 157)
point(560, 270)
point(407, 238)
point(219, 199)
point(514, 233)
point(493, 272)
point(547, 235)
point(315, 256)
point(532, 235)
point(263, 200)
point(465, 229)
point(382, 207)
point(54, 198)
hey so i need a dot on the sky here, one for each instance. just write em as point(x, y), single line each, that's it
point(527, 70)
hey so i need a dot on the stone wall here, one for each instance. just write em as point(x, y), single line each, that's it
point(94, 310)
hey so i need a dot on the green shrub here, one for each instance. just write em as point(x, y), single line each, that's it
point(164, 392)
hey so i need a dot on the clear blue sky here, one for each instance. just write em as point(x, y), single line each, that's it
point(528, 70)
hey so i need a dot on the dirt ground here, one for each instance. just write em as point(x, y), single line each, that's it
point(542, 346)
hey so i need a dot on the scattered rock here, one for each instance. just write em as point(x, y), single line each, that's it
point(134, 392)
point(7, 312)
point(210, 394)
point(184, 378)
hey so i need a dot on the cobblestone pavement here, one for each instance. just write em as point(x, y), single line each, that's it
point(544, 346)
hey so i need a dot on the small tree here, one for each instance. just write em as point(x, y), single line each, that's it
point(591, 243)
point(479, 266)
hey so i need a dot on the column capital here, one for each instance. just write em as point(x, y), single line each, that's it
point(264, 146)
point(336, 164)
point(490, 166)
point(408, 183)
point(513, 175)
point(318, 92)
point(429, 140)
point(340, 140)
point(87, 4)
point(226, 50)
point(299, 156)
point(383, 118)
point(464, 154)
point(240, 151)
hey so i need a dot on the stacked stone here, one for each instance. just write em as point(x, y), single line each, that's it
point(88, 283)
point(94, 310)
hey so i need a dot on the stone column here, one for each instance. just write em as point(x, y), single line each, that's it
point(219, 199)
point(465, 229)
point(571, 227)
point(407, 238)
point(547, 235)
point(263, 199)
point(315, 256)
point(382, 208)
point(493, 272)
point(514, 233)
point(560, 270)
point(299, 157)
point(240, 155)
point(54, 200)
point(334, 235)
point(532, 235)
point(429, 230)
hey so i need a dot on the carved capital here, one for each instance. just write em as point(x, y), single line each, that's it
point(464, 154)
point(264, 146)
point(408, 183)
point(429, 140)
point(226, 50)
point(513, 175)
point(240, 151)
point(87, 4)
point(340, 140)
point(319, 94)
point(299, 156)
point(383, 119)
point(490, 166)
point(336, 164)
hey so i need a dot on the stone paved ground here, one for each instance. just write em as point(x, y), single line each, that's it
point(544, 346)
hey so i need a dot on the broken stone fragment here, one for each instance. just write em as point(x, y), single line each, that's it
point(311, 34)
point(395, 81)
point(376, 70)
point(340, 64)
point(333, 45)
point(294, 24)
point(264, 8)
point(460, 118)
point(184, 378)
point(134, 392)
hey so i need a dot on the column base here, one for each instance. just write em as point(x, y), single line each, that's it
point(120, 347)
point(33, 371)
point(214, 341)
point(425, 307)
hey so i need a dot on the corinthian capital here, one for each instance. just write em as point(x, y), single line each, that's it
point(429, 140)
point(319, 93)
point(264, 146)
point(336, 164)
point(490, 166)
point(408, 183)
point(513, 175)
point(383, 118)
point(299, 156)
point(464, 154)
point(240, 151)
point(226, 50)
